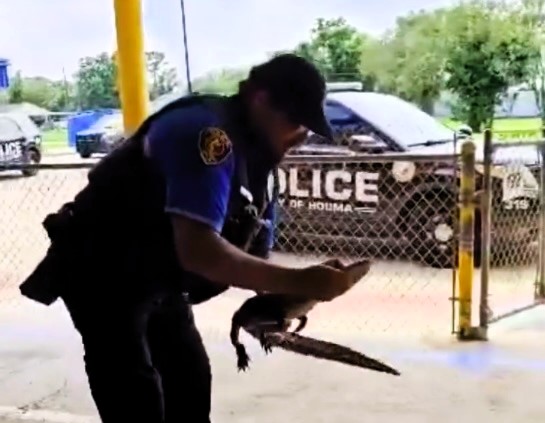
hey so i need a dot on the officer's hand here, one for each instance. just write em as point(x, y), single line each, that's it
point(335, 263)
point(329, 280)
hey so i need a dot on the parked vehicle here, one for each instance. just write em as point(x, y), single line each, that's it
point(102, 137)
point(397, 206)
point(20, 141)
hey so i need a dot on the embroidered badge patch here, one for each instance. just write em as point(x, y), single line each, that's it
point(214, 146)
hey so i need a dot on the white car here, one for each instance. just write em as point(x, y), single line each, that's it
point(20, 141)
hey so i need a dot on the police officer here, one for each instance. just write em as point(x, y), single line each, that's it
point(144, 357)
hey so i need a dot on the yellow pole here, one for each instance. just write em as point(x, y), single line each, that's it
point(131, 61)
point(466, 239)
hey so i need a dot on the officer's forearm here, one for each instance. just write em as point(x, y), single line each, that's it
point(240, 269)
point(202, 251)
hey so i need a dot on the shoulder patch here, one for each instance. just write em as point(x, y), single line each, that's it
point(214, 146)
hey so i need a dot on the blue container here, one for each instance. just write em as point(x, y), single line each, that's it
point(84, 120)
point(4, 77)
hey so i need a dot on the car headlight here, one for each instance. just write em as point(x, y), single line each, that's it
point(38, 139)
point(403, 171)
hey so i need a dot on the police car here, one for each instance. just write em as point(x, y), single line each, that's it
point(20, 141)
point(396, 207)
point(102, 137)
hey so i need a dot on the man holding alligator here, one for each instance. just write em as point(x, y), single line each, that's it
point(163, 223)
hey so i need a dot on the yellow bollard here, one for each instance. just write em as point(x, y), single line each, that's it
point(465, 245)
point(131, 63)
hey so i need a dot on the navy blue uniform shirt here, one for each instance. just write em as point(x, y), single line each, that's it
point(197, 160)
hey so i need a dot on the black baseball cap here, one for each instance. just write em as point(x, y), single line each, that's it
point(297, 88)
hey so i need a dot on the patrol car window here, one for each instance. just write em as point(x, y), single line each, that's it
point(26, 125)
point(9, 130)
point(401, 120)
point(113, 121)
point(344, 122)
point(337, 114)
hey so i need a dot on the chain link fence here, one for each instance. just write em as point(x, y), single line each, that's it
point(512, 276)
point(398, 209)
point(25, 203)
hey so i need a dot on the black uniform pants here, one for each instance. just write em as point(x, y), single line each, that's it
point(145, 359)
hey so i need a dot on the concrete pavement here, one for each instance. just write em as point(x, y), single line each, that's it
point(42, 379)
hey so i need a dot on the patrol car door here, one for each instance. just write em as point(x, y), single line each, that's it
point(369, 182)
point(333, 202)
point(11, 141)
point(395, 183)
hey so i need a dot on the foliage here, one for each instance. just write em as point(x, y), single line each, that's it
point(488, 50)
point(224, 81)
point(533, 17)
point(96, 81)
point(163, 77)
point(15, 92)
point(409, 60)
point(335, 47)
point(51, 95)
point(96, 84)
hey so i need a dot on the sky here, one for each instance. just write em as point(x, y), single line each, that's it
point(43, 37)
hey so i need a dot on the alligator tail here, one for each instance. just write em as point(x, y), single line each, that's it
point(303, 345)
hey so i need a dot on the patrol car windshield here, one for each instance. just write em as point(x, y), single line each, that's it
point(28, 127)
point(402, 121)
point(112, 121)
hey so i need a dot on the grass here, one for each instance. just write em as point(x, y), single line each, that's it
point(512, 129)
point(56, 139)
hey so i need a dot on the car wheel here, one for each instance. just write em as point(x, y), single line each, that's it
point(34, 158)
point(85, 154)
point(435, 230)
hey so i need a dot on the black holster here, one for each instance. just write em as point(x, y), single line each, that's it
point(89, 220)
point(46, 282)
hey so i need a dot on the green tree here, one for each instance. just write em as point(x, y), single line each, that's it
point(312, 52)
point(335, 47)
point(51, 95)
point(408, 61)
point(533, 13)
point(96, 82)
point(40, 91)
point(163, 77)
point(488, 49)
point(15, 91)
point(63, 97)
point(224, 81)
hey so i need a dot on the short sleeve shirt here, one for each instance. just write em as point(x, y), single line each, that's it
point(196, 159)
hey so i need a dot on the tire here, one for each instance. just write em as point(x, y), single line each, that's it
point(435, 229)
point(83, 150)
point(34, 157)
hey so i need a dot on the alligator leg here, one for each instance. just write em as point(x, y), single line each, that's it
point(243, 359)
point(302, 323)
point(281, 326)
